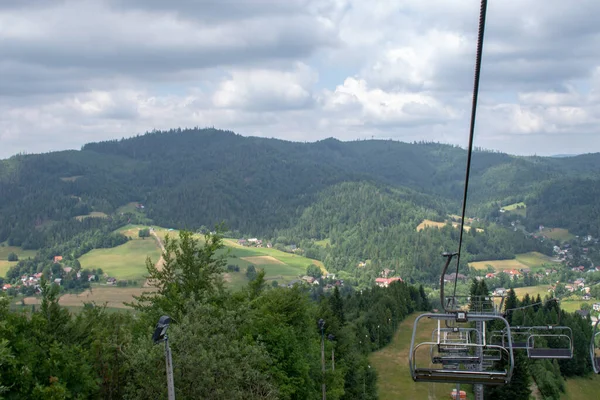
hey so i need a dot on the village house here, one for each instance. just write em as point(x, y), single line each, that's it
point(308, 279)
point(111, 281)
point(596, 306)
point(451, 277)
point(385, 282)
point(512, 272)
point(57, 259)
point(242, 242)
point(490, 275)
point(499, 291)
point(67, 269)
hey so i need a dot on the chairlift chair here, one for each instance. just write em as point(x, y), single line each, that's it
point(461, 372)
point(564, 334)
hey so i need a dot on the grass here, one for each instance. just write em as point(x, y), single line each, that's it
point(533, 291)
point(323, 243)
point(574, 305)
point(498, 265)
point(93, 214)
point(4, 266)
point(512, 208)
point(127, 261)
point(582, 388)
point(391, 363)
point(71, 178)
point(6, 250)
point(427, 223)
point(557, 234)
point(532, 260)
point(113, 296)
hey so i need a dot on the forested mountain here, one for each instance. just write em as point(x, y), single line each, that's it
point(366, 197)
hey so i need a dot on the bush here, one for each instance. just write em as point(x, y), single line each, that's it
point(13, 257)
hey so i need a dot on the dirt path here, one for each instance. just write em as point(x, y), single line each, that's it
point(159, 264)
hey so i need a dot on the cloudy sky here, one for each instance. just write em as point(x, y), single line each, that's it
point(77, 71)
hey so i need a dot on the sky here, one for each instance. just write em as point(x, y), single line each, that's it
point(73, 72)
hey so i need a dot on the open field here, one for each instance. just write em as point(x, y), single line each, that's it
point(71, 178)
point(6, 250)
point(513, 209)
point(582, 388)
point(532, 259)
point(391, 363)
point(426, 223)
point(113, 296)
point(557, 234)
point(4, 266)
point(572, 306)
point(498, 265)
point(323, 243)
point(533, 291)
point(93, 214)
point(127, 261)
point(262, 260)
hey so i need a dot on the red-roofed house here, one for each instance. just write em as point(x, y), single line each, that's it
point(57, 259)
point(385, 282)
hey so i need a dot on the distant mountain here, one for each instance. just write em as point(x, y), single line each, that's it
point(189, 178)
point(564, 155)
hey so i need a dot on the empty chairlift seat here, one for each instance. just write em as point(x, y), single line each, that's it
point(550, 342)
point(465, 367)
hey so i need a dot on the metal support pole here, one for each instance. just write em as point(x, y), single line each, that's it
point(169, 362)
point(480, 326)
point(323, 364)
point(332, 360)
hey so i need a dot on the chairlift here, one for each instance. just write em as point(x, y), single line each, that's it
point(561, 334)
point(468, 371)
point(594, 348)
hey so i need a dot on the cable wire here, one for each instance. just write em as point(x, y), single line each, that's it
point(482, 14)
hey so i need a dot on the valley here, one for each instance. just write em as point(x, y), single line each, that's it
point(319, 218)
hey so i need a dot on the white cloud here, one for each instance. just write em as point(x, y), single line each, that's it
point(77, 71)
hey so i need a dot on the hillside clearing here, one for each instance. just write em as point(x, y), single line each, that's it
point(391, 363)
point(498, 265)
point(557, 234)
point(93, 214)
point(533, 291)
point(71, 178)
point(127, 261)
point(4, 267)
point(113, 296)
point(427, 223)
point(534, 259)
point(6, 250)
point(262, 260)
point(582, 388)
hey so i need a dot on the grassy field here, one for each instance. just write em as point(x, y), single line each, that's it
point(113, 296)
point(582, 388)
point(5, 251)
point(533, 291)
point(4, 266)
point(532, 260)
point(426, 223)
point(498, 265)
point(127, 261)
point(572, 306)
point(324, 242)
point(391, 363)
point(71, 178)
point(93, 214)
point(513, 208)
point(278, 265)
point(557, 234)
